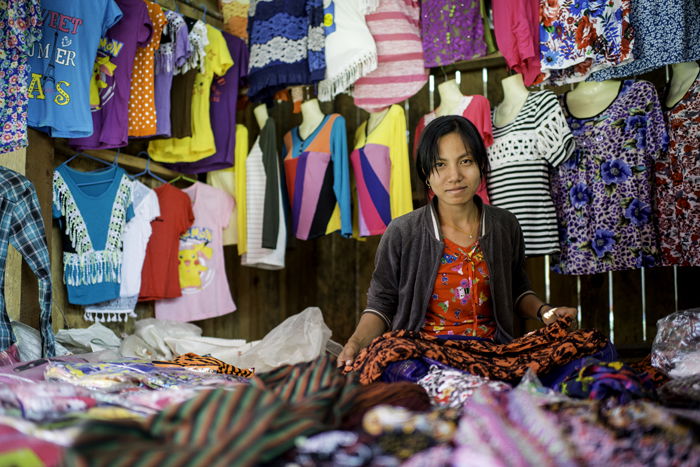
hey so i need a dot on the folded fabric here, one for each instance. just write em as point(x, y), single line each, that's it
point(452, 388)
point(196, 362)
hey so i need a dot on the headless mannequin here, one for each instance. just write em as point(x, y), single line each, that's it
point(589, 98)
point(375, 119)
point(451, 98)
point(514, 95)
point(684, 75)
point(261, 116)
point(311, 117)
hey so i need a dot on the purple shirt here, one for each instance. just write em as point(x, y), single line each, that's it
point(174, 50)
point(116, 51)
point(224, 97)
point(451, 31)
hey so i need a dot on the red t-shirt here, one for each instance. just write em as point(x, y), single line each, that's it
point(159, 276)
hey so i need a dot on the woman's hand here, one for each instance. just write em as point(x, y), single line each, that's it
point(348, 354)
point(554, 314)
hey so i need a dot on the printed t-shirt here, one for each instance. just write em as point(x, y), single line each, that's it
point(222, 111)
point(318, 179)
point(461, 301)
point(142, 106)
point(159, 276)
point(217, 61)
point(62, 64)
point(111, 81)
point(225, 179)
point(202, 272)
point(381, 172)
point(135, 240)
point(92, 209)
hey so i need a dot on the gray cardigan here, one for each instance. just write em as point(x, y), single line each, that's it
point(407, 262)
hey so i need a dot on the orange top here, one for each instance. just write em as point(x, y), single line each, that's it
point(461, 300)
point(142, 106)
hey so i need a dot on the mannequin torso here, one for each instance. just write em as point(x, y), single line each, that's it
point(514, 96)
point(589, 98)
point(684, 75)
point(311, 118)
point(451, 98)
point(261, 116)
point(375, 119)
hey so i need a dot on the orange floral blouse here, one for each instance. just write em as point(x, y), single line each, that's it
point(461, 300)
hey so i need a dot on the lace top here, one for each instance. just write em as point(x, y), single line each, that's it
point(198, 40)
point(452, 30)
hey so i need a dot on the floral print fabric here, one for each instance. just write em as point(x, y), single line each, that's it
point(603, 193)
point(452, 31)
point(19, 28)
point(677, 184)
point(460, 302)
point(578, 37)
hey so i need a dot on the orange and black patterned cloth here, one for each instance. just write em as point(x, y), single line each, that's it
point(542, 350)
point(192, 361)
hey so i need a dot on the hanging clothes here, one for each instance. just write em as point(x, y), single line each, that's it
point(235, 13)
point(17, 38)
point(22, 226)
point(92, 209)
point(603, 192)
point(381, 171)
point(318, 179)
point(111, 81)
point(677, 183)
point(201, 268)
point(521, 156)
point(452, 31)
point(516, 26)
point(62, 64)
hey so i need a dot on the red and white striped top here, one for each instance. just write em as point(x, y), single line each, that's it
point(401, 69)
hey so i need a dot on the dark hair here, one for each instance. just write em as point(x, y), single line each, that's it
point(441, 126)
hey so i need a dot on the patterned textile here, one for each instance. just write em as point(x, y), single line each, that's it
point(461, 301)
point(22, 226)
point(452, 388)
point(286, 45)
point(578, 37)
point(235, 14)
point(19, 28)
point(666, 32)
point(612, 382)
point(452, 31)
point(340, 448)
point(245, 427)
point(682, 392)
point(602, 193)
point(410, 396)
point(645, 368)
point(44, 400)
point(677, 183)
point(195, 362)
point(540, 350)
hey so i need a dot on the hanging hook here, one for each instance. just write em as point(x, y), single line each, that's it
point(203, 6)
point(116, 156)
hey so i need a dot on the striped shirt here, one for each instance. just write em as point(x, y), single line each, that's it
point(523, 151)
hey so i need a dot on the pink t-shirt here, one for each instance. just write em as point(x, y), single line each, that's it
point(202, 273)
point(517, 28)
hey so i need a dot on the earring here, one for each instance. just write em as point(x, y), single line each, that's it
point(427, 183)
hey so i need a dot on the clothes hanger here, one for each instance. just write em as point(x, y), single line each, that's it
point(96, 159)
point(203, 6)
point(182, 177)
point(147, 170)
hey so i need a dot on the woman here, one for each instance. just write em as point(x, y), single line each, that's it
point(454, 267)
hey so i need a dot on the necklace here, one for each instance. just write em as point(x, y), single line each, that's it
point(471, 236)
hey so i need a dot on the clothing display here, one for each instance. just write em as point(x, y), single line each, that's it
point(452, 31)
point(22, 226)
point(676, 188)
point(135, 239)
point(517, 25)
point(665, 32)
point(202, 275)
point(578, 38)
point(400, 73)
point(159, 275)
point(112, 77)
point(381, 171)
point(235, 13)
point(62, 63)
point(318, 179)
point(603, 193)
point(286, 41)
point(142, 104)
point(217, 61)
point(453, 388)
point(222, 111)
point(350, 49)
point(266, 229)
point(17, 39)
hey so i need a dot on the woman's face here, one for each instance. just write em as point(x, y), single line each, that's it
point(456, 175)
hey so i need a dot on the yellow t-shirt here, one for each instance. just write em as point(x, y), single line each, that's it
point(201, 144)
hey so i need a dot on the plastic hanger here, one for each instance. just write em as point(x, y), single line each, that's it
point(96, 159)
point(182, 177)
point(147, 170)
point(204, 12)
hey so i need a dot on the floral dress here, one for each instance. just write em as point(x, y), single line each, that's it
point(603, 192)
point(578, 37)
point(461, 300)
point(19, 28)
point(677, 206)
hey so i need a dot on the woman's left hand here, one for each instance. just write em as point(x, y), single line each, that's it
point(556, 313)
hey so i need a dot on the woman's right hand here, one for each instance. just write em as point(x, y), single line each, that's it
point(369, 327)
point(348, 354)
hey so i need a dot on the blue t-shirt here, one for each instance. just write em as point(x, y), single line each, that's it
point(93, 209)
point(61, 64)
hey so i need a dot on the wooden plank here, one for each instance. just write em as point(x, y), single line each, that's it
point(562, 290)
point(494, 60)
point(688, 284)
point(534, 267)
point(125, 160)
point(594, 302)
point(627, 309)
point(659, 294)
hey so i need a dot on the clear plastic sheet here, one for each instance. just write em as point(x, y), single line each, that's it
point(677, 340)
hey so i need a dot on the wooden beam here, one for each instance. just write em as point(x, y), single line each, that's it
point(493, 60)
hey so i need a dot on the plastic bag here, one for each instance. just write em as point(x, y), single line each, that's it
point(299, 338)
point(29, 342)
point(149, 338)
point(678, 336)
point(92, 339)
